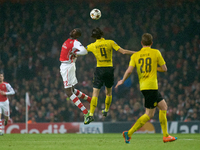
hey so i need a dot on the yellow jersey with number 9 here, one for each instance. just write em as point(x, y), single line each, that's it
point(102, 50)
point(146, 61)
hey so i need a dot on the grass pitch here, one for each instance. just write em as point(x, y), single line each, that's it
point(96, 142)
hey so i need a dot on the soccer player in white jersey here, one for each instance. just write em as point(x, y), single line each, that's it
point(5, 89)
point(70, 49)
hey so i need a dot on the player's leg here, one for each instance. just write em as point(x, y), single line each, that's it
point(67, 72)
point(108, 101)
point(150, 104)
point(97, 84)
point(81, 95)
point(109, 82)
point(149, 113)
point(94, 100)
point(6, 110)
point(162, 105)
point(1, 133)
point(76, 100)
point(138, 124)
point(93, 105)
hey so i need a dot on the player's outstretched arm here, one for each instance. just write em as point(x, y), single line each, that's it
point(81, 50)
point(163, 68)
point(124, 51)
point(126, 75)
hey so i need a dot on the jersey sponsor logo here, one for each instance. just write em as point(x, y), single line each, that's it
point(64, 46)
point(104, 60)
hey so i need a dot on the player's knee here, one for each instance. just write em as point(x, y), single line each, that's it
point(164, 107)
point(68, 92)
point(150, 115)
point(108, 92)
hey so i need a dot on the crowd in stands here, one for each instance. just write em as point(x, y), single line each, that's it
point(31, 36)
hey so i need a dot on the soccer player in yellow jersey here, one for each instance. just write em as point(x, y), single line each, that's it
point(104, 72)
point(148, 61)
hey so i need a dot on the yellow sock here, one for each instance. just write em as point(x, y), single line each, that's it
point(108, 102)
point(93, 105)
point(139, 123)
point(163, 122)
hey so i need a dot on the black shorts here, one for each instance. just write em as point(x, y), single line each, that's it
point(152, 98)
point(103, 76)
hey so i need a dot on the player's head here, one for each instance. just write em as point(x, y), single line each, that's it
point(75, 33)
point(97, 33)
point(147, 39)
point(1, 76)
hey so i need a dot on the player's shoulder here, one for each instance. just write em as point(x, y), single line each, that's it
point(135, 55)
point(91, 44)
point(70, 41)
point(155, 50)
point(110, 41)
point(5, 83)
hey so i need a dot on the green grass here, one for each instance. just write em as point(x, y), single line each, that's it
point(96, 142)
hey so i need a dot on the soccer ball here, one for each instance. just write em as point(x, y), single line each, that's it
point(95, 14)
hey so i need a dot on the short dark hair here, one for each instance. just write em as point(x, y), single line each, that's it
point(147, 39)
point(1, 72)
point(97, 33)
point(78, 31)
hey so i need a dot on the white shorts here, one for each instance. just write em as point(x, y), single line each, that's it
point(68, 73)
point(4, 107)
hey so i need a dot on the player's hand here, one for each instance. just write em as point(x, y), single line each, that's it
point(120, 82)
point(73, 55)
point(2, 92)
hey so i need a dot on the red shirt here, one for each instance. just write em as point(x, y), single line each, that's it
point(71, 46)
point(6, 87)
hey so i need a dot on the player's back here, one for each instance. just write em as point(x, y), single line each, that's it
point(102, 50)
point(146, 61)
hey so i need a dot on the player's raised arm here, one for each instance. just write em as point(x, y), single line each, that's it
point(124, 51)
point(81, 50)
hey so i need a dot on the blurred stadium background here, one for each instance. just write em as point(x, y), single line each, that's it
point(32, 33)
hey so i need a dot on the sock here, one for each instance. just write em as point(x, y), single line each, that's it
point(93, 105)
point(108, 102)
point(163, 122)
point(81, 95)
point(0, 125)
point(139, 123)
point(78, 103)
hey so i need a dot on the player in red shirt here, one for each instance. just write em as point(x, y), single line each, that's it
point(5, 89)
point(70, 48)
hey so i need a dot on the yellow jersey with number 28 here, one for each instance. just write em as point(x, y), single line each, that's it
point(146, 61)
point(102, 50)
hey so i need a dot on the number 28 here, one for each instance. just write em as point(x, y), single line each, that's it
point(147, 63)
